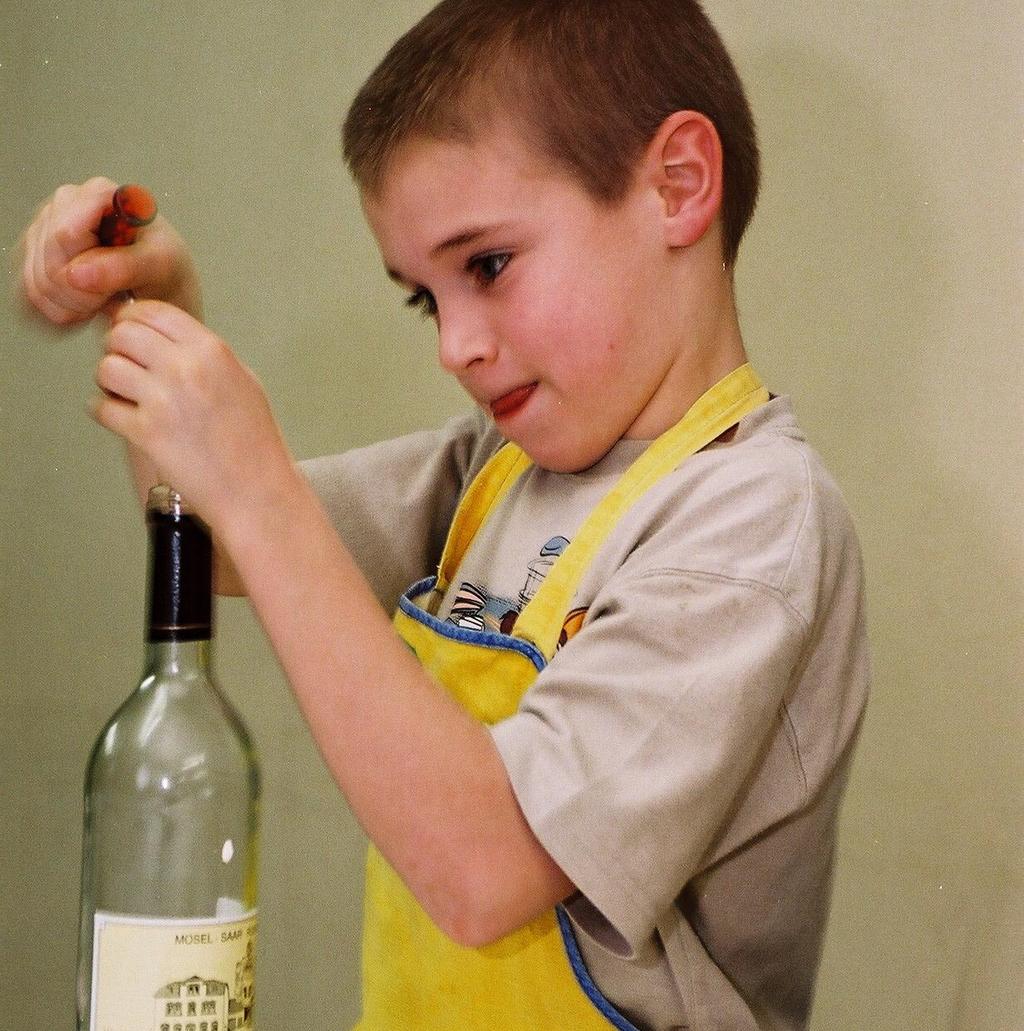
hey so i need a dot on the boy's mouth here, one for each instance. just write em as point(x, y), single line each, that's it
point(508, 404)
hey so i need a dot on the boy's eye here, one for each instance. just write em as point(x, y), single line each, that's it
point(484, 267)
point(424, 301)
point(487, 267)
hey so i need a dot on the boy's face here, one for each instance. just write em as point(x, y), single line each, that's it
point(558, 316)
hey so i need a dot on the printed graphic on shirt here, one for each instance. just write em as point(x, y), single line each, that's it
point(538, 568)
point(571, 626)
point(476, 608)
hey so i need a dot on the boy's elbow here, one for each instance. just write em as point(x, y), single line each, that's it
point(483, 902)
point(469, 909)
point(465, 929)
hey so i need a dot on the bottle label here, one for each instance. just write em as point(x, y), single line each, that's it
point(151, 974)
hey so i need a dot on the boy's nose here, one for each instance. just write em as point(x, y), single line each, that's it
point(462, 343)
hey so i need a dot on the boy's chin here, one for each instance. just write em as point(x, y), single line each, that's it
point(559, 457)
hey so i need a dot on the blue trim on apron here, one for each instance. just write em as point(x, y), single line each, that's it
point(483, 638)
point(586, 982)
point(489, 639)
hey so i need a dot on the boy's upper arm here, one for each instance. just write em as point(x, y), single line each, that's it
point(392, 502)
point(631, 748)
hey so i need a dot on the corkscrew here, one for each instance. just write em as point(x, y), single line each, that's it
point(131, 208)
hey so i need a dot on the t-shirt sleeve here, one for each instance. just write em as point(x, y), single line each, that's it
point(631, 751)
point(392, 502)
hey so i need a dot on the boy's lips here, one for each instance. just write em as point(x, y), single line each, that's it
point(502, 407)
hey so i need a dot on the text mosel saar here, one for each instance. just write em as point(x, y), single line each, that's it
point(214, 937)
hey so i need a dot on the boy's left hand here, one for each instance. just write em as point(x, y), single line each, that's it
point(177, 392)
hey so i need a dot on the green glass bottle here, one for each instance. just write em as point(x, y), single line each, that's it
point(169, 857)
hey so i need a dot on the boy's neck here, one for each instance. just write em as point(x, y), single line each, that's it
point(709, 347)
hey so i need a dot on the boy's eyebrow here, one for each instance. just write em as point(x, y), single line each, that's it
point(461, 239)
point(451, 243)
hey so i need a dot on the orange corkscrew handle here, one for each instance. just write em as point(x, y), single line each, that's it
point(131, 208)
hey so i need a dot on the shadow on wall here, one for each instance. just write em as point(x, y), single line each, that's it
point(859, 307)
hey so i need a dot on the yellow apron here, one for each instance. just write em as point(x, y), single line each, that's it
point(415, 978)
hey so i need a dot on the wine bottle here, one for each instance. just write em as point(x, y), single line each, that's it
point(168, 906)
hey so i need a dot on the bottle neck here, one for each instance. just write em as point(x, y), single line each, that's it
point(178, 659)
point(180, 606)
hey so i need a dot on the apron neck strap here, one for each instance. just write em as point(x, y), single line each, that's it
point(540, 622)
point(484, 493)
point(719, 409)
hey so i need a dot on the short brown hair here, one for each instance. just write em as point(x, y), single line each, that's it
point(590, 81)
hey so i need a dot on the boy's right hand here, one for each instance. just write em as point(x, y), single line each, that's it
point(67, 278)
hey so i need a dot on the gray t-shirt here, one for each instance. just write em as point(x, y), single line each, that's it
point(683, 756)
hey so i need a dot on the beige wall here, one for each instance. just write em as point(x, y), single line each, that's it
point(880, 286)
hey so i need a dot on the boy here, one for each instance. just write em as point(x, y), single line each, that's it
point(600, 754)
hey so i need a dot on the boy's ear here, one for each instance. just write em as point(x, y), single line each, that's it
point(685, 164)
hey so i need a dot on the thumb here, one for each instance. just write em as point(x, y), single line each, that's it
point(103, 271)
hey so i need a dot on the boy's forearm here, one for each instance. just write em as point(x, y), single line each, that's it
point(423, 777)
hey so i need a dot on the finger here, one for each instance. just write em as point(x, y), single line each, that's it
point(116, 415)
point(62, 226)
point(120, 376)
point(163, 318)
point(74, 217)
point(138, 342)
point(66, 229)
point(60, 304)
point(28, 245)
point(102, 272)
point(35, 289)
